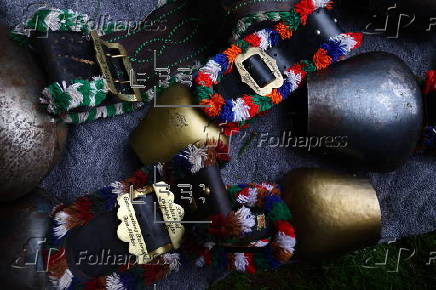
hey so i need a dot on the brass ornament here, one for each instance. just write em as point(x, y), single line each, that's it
point(30, 140)
point(248, 79)
point(167, 130)
point(332, 213)
point(101, 47)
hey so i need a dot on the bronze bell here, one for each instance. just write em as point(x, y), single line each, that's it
point(373, 103)
point(332, 212)
point(166, 130)
point(30, 140)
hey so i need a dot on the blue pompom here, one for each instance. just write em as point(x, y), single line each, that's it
point(273, 36)
point(128, 280)
point(221, 59)
point(269, 202)
point(334, 49)
point(226, 114)
point(274, 263)
point(285, 90)
point(75, 284)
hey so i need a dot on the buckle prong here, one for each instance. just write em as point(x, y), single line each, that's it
point(121, 82)
point(116, 55)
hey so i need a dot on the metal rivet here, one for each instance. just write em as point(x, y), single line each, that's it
point(335, 20)
point(318, 32)
point(206, 190)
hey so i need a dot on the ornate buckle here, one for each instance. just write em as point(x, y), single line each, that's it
point(101, 55)
point(248, 79)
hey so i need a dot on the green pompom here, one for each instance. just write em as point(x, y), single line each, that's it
point(242, 44)
point(21, 39)
point(37, 21)
point(203, 92)
point(232, 191)
point(308, 66)
point(61, 100)
point(263, 102)
point(292, 19)
point(280, 211)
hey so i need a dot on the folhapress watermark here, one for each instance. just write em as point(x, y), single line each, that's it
point(287, 140)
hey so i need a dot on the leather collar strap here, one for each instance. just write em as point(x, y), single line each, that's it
point(240, 9)
point(86, 85)
point(78, 255)
point(317, 44)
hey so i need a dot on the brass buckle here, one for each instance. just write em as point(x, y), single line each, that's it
point(104, 67)
point(248, 79)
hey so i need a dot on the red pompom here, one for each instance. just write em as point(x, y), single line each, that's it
point(358, 38)
point(285, 227)
point(430, 82)
point(203, 79)
point(304, 8)
point(251, 267)
point(254, 108)
point(253, 40)
point(140, 178)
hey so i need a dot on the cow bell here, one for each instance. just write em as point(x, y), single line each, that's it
point(24, 223)
point(30, 140)
point(171, 124)
point(332, 212)
point(373, 104)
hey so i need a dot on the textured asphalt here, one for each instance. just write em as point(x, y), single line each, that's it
point(98, 152)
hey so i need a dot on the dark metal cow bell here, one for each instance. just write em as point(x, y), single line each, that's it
point(24, 224)
point(30, 140)
point(372, 100)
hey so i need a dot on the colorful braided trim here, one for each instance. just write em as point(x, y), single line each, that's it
point(79, 213)
point(61, 98)
point(52, 19)
point(65, 218)
point(271, 252)
point(248, 106)
point(290, 18)
point(194, 158)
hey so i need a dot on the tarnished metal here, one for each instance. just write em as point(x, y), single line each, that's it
point(374, 101)
point(29, 142)
point(24, 224)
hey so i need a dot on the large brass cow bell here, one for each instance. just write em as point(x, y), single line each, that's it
point(332, 212)
point(374, 103)
point(172, 125)
point(30, 140)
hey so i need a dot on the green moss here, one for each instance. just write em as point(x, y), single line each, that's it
point(363, 269)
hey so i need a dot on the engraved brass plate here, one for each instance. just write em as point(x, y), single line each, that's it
point(129, 230)
point(100, 55)
point(248, 79)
